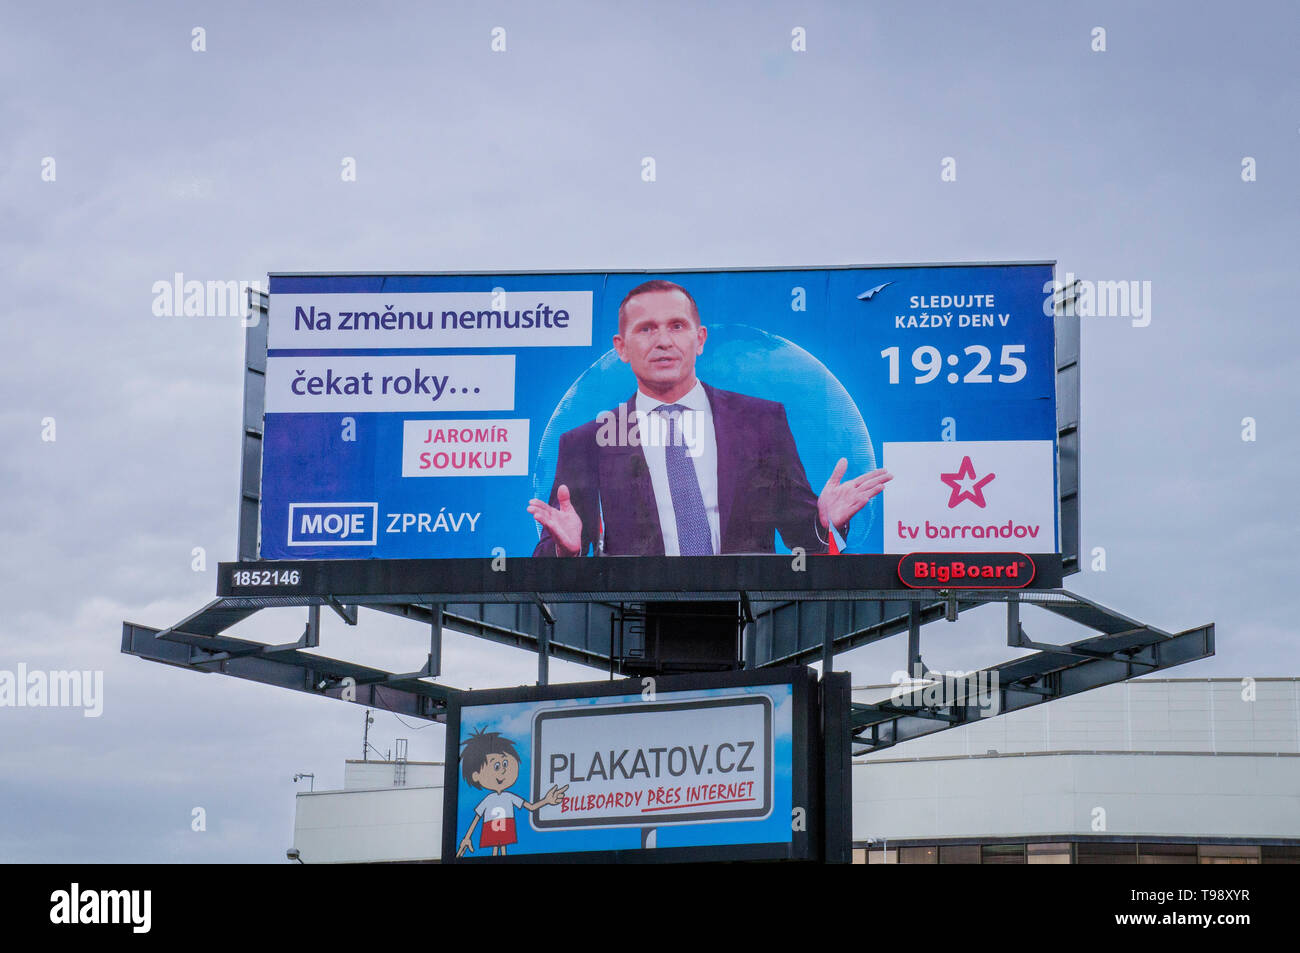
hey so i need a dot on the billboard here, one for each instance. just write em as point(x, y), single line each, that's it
point(635, 768)
point(850, 411)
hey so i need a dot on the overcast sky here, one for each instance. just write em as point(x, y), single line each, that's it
point(225, 164)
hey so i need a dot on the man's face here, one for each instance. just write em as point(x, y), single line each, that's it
point(661, 340)
point(499, 771)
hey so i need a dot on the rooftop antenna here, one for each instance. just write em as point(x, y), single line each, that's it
point(365, 738)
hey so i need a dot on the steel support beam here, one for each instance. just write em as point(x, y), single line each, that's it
point(1120, 648)
point(287, 667)
point(1054, 672)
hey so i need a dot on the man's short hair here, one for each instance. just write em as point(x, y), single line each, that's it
point(655, 284)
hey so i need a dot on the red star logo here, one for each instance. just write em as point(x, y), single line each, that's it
point(964, 485)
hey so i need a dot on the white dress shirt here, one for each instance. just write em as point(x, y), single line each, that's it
point(697, 435)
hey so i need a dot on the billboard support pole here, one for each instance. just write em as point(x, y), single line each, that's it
point(837, 784)
point(311, 635)
point(435, 639)
point(748, 632)
point(611, 646)
point(915, 667)
point(544, 642)
point(544, 656)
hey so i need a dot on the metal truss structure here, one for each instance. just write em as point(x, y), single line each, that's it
point(1118, 648)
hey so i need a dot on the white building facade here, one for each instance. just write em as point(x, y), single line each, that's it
point(1144, 771)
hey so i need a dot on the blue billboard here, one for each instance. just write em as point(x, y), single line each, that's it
point(841, 410)
point(644, 768)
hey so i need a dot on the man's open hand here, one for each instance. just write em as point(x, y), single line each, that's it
point(563, 522)
point(839, 502)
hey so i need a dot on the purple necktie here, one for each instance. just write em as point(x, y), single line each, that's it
point(693, 535)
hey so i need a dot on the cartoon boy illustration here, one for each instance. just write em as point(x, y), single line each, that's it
point(490, 762)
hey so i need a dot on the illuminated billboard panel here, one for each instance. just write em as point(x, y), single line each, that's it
point(848, 411)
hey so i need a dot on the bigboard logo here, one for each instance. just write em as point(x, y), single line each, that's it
point(966, 570)
point(333, 524)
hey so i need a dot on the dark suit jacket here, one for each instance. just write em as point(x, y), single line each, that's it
point(761, 484)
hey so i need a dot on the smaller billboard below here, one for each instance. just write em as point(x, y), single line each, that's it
point(656, 769)
point(717, 754)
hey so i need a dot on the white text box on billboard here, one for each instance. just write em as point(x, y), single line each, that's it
point(389, 383)
point(970, 496)
point(452, 448)
point(430, 319)
point(646, 765)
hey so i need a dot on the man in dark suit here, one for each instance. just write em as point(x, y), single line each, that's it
point(682, 468)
